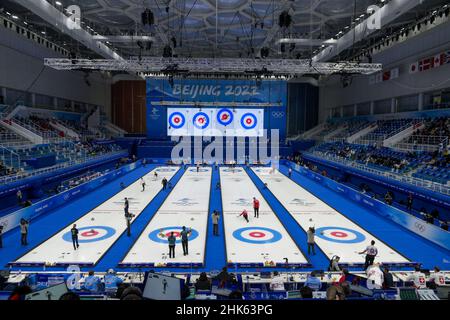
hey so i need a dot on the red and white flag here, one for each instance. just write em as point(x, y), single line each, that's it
point(438, 59)
point(426, 64)
point(414, 67)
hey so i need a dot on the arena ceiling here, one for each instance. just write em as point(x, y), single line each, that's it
point(213, 28)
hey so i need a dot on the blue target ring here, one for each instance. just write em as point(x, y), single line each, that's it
point(238, 235)
point(221, 114)
point(198, 115)
point(154, 235)
point(248, 126)
point(172, 121)
point(359, 236)
point(109, 233)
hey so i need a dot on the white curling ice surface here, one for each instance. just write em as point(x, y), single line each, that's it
point(308, 211)
point(187, 205)
point(109, 214)
point(238, 191)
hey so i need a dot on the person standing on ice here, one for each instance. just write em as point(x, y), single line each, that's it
point(74, 232)
point(126, 206)
point(256, 207)
point(172, 241)
point(290, 172)
point(371, 252)
point(143, 184)
point(245, 215)
point(215, 220)
point(184, 235)
point(164, 183)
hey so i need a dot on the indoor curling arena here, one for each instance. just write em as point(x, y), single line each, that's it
point(225, 150)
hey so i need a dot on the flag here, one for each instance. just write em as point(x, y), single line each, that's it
point(414, 67)
point(426, 64)
point(395, 73)
point(437, 61)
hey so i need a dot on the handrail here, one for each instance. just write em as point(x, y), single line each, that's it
point(434, 186)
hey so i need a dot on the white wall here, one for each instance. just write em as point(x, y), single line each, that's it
point(332, 94)
point(22, 63)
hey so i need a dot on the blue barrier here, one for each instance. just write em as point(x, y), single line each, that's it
point(408, 221)
point(12, 220)
point(42, 162)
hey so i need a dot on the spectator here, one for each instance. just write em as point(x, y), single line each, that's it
point(19, 197)
point(409, 202)
point(437, 278)
point(277, 282)
point(203, 282)
point(69, 296)
point(429, 218)
point(92, 282)
point(131, 293)
point(224, 277)
point(417, 278)
point(344, 275)
point(112, 282)
point(444, 225)
point(435, 213)
point(306, 292)
point(375, 277)
point(313, 282)
point(388, 279)
point(338, 292)
point(388, 198)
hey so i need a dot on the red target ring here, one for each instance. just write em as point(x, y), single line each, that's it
point(257, 234)
point(339, 234)
point(90, 233)
point(175, 234)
